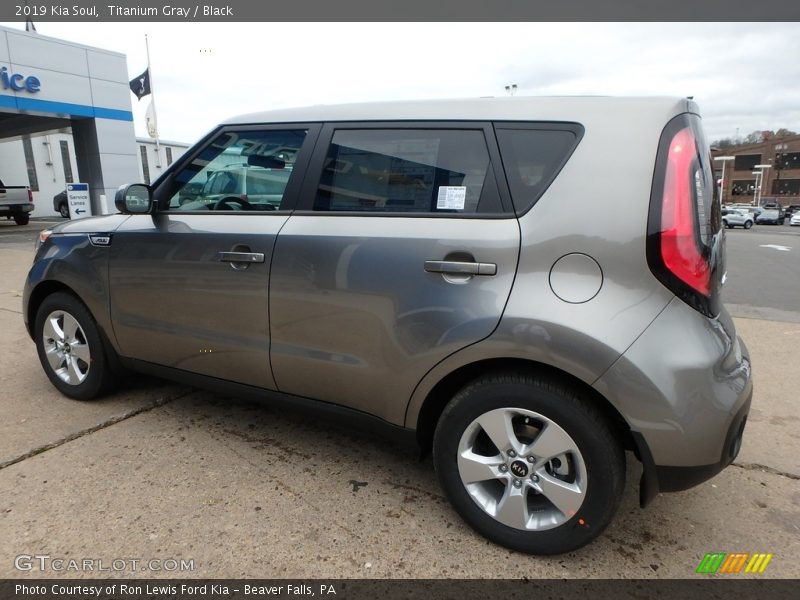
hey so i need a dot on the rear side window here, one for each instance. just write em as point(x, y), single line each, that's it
point(533, 157)
point(408, 170)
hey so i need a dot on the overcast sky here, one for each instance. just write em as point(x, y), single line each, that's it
point(744, 76)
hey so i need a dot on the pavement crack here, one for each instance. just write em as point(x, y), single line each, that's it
point(16, 312)
point(89, 430)
point(766, 469)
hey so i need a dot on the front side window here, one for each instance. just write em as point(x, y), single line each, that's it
point(408, 170)
point(238, 170)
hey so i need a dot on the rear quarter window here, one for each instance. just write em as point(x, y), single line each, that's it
point(533, 156)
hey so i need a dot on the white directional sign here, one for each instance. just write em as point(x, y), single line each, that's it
point(78, 200)
point(777, 247)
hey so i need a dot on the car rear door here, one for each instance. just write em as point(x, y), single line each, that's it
point(402, 250)
point(188, 285)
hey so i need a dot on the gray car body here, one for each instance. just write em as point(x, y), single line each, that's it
point(677, 379)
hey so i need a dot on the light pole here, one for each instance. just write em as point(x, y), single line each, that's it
point(723, 160)
point(511, 89)
point(761, 187)
point(756, 186)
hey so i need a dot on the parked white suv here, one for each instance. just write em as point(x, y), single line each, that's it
point(738, 217)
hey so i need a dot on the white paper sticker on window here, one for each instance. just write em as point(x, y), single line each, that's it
point(451, 197)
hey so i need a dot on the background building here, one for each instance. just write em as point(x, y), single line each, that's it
point(781, 179)
point(65, 116)
point(47, 162)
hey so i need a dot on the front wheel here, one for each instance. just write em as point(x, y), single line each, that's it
point(529, 463)
point(748, 224)
point(70, 348)
point(64, 211)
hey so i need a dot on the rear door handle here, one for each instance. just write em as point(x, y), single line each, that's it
point(241, 257)
point(451, 267)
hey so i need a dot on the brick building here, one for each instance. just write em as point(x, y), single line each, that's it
point(781, 180)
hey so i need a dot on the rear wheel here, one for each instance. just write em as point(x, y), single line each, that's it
point(64, 211)
point(70, 348)
point(748, 224)
point(22, 219)
point(529, 463)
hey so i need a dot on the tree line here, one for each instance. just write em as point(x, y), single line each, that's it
point(755, 137)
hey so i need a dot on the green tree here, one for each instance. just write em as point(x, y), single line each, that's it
point(723, 143)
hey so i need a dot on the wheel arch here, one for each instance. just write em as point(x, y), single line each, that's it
point(443, 391)
point(47, 288)
point(39, 293)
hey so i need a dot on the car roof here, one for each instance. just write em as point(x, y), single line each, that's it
point(516, 108)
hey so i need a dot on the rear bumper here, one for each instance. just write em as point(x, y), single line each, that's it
point(15, 209)
point(685, 388)
point(675, 479)
point(657, 478)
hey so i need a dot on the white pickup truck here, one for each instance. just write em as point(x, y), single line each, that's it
point(16, 202)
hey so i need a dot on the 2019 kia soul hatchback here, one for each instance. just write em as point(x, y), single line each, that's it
point(424, 269)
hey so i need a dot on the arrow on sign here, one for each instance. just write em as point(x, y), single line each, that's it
point(777, 247)
point(79, 211)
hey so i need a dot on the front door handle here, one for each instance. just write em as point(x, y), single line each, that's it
point(452, 267)
point(241, 257)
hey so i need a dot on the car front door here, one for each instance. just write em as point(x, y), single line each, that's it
point(402, 251)
point(188, 285)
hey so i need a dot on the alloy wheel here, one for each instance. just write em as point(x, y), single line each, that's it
point(66, 347)
point(522, 469)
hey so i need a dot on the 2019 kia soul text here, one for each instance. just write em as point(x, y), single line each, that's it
point(419, 264)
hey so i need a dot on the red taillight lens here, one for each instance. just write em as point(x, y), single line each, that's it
point(30, 195)
point(679, 234)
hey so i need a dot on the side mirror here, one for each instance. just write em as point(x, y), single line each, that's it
point(134, 199)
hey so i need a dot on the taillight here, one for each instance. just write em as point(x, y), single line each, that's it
point(684, 239)
point(679, 231)
point(30, 195)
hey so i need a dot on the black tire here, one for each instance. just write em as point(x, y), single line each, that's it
point(63, 210)
point(22, 219)
point(99, 378)
point(602, 455)
point(748, 224)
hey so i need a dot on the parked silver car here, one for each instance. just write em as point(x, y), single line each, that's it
point(737, 217)
point(424, 272)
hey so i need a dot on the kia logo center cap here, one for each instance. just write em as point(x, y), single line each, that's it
point(519, 468)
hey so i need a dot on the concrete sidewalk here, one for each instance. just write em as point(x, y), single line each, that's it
point(157, 471)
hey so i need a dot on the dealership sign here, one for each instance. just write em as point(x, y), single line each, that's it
point(78, 200)
point(18, 82)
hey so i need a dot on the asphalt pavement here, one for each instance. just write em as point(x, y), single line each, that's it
point(159, 471)
point(763, 265)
